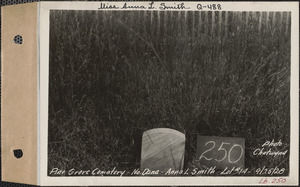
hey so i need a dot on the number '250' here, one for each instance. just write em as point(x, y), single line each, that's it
point(227, 154)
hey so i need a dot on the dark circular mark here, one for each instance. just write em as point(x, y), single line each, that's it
point(18, 153)
point(18, 39)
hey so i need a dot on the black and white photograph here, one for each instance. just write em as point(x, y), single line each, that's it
point(170, 92)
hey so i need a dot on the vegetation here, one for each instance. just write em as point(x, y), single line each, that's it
point(115, 74)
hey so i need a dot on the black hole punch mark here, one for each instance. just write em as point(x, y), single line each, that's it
point(18, 153)
point(18, 39)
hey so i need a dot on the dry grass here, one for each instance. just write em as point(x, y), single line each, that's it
point(114, 75)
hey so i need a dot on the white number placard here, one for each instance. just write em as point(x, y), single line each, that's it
point(221, 152)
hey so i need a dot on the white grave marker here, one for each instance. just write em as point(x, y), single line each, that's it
point(162, 149)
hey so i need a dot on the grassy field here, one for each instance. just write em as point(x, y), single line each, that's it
point(114, 75)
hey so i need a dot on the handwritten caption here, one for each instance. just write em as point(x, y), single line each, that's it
point(271, 181)
point(261, 171)
point(159, 6)
point(267, 149)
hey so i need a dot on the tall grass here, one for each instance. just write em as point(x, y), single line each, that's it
point(116, 74)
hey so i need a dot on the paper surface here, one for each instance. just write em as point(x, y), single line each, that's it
point(19, 93)
point(110, 71)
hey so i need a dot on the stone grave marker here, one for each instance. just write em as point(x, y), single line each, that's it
point(162, 149)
